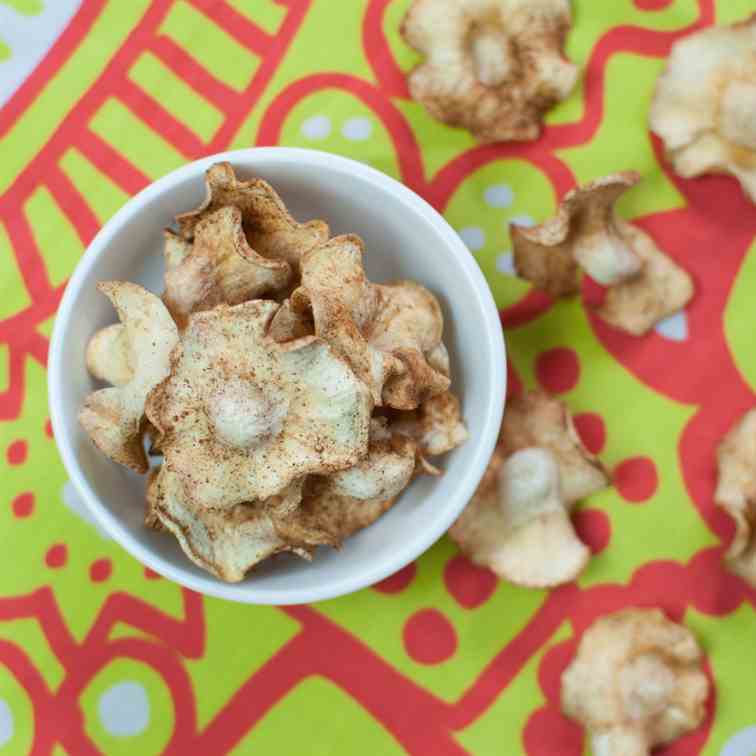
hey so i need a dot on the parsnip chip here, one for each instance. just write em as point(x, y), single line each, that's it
point(409, 324)
point(383, 474)
point(586, 232)
point(704, 106)
point(736, 493)
point(343, 304)
point(228, 542)
point(436, 425)
point(635, 683)
point(535, 419)
point(268, 225)
point(328, 518)
point(520, 528)
point(288, 324)
point(220, 268)
point(152, 493)
point(108, 355)
point(113, 416)
point(493, 67)
point(243, 416)
point(661, 288)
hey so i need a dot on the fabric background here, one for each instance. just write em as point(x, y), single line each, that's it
point(97, 655)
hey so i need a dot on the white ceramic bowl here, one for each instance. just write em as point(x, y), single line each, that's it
point(406, 238)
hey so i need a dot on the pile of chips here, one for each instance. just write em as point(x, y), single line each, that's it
point(290, 399)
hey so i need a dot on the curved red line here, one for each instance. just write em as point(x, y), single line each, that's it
point(405, 144)
point(78, 27)
point(390, 77)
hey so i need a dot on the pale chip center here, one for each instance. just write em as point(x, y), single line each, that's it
point(244, 414)
point(737, 115)
point(646, 684)
point(491, 55)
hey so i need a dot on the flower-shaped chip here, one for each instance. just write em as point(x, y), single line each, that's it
point(635, 683)
point(520, 527)
point(328, 518)
point(219, 268)
point(493, 67)
point(704, 106)
point(113, 416)
point(343, 304)
point(736, 493)
point(268, 225)
point(242, 416)
point(584, 233)
point(225, 542)
point(536, 419)
point(645, 285)
point(389, 334)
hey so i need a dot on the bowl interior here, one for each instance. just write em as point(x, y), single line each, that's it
point(403, 241)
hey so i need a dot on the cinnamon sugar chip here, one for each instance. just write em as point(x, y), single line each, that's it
point(585, 233)
point(242, 416)
point(520, 528)
point(704, 106)
point(268, 225)
point(494, 67)
point(112, 417)
point(635, 683)
point(225, 542)
point(219, 268)
point(436, 425)
point(536, 419)
point(660, 289)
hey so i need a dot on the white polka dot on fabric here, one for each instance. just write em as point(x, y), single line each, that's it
point(357, 129)
point(124, 709)
point(7, 725)
point(522, 220)
point(674, 327)
point(505, 264)
point(316, 127)
point(742, 743)
point(499, 195)
point(473, 237)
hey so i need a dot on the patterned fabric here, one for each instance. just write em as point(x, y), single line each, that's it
point(98, 655)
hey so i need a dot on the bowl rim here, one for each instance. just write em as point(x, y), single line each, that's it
point(248, 591)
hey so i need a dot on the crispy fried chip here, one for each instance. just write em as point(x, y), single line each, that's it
point(436, 425)
point(661, 288)
point(383, 474)
point(636, 682)
point(535, 419)
point(228, 542)
point(409, 325)
point(270, 229)
point(108, 356)
point(328, 518)
point(343, 305)
point(113, 416)
point(736, 493)
point(586, 233)
point(243, 416)
point(704, 106)
point(520, 527)
point(493, 67)
point(220, 267)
